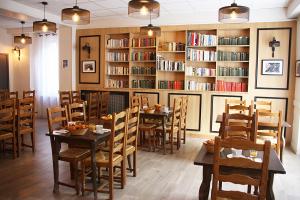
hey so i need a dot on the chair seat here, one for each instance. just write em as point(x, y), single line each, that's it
point(130, 149)
point(145, 127)
point(102, 159)
point(168, 128)
point(5, 135)
point(25, 130)
point(73, 153)
point(261, 139)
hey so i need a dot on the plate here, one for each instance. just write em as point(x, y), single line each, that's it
point(102, 131)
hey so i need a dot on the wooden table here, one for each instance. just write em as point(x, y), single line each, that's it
point(90, 139)
point(205, 159)
point(162, 116)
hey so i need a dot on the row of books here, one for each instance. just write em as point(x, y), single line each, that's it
point(143, 84)
point(198, 39)
point(169, 65)
point(201, 55)
point(173, 46)
point(143, 56)
point(176, 85)
point(113, 70)
point(233, 56)
point(232, 71)
point(199, 86)
point(115, 83)
point(200, 71)
point(117, 43)
point(231, 86)
point(242, 40)
point(143, 70)
point(143, 42)
point(117, 56)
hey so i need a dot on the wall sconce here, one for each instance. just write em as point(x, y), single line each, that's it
point(274, 43)
point(87, 48)
point(18, 50)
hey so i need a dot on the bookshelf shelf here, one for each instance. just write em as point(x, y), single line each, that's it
point(233, 45)
point(201, 46)
point(117, 74)
point(233, 76)
point(202, 61)
point(191, 76)
point(143, 61)
point(236, 61)
point(117, 61)
point(149, 47)
point(117, 48)
point(174, 71)
point(170, 51)
point(142, 75)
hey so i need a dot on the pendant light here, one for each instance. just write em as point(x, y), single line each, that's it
point(143, 8)
point(75, 15)
point(22, 39)
point(234, 14)
point(44, 26)
point(150, 30)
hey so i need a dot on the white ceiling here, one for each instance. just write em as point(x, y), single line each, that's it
point(109, 13)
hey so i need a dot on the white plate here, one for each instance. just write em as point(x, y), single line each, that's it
point(102, 131)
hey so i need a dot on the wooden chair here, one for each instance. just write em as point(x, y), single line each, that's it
point(269, 125)
point(135, 101)
point(262, 106)
point(147, 129)
point(230, 109)
point(243, 127)
point(12, 95)
point(144, 101)
point(184, 108)
point(103, 108)
point(57, 116)
point(93, 106)
point(75, 97)
point(3, 95)
point(76, 112)
point(29, 94)
point(132, 135)
point(174, 128)
point(243, 176)
point(65, 98)
point(7, 123)
point(26, 122)
point(113, 158)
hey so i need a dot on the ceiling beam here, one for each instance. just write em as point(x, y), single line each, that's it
point(293, 10)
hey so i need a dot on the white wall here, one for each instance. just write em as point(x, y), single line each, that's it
point(296, 123)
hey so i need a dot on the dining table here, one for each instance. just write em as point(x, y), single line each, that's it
point(90, 139)
point(206, 159)
point(161, 116)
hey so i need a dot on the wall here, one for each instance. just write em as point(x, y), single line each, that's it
point(296, 125)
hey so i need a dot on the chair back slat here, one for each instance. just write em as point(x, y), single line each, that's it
point(176, 117)
point(103, 107)
point(57, 117)
point(64, 98)
point(26, 113)
point(264, 106)
point(135, 101)
point(75, 97)
point(93, 105)
point(7, 115)
point(76, 112)
point(132, 125)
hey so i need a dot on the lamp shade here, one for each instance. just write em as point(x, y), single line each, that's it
point(44, 27)
point(234, 14)
point(150, 30)
point(22, 39)
point(143, 8)
point(75, 15)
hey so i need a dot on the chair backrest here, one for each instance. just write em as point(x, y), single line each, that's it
point(238, 177)
point(93, 105)
point(76, 112)
point(176, 117)
point(103, 108)
point(135, 101)
point(7, 116)
point(235, 102)
point(231, 109)
point(26, 113)
point(144, 101)
point(269, 124)
point(3, 95)
point(132, 125)
point(57, 117)
point(75, 97)
point(184, 107)
point(262, 106)
point(12, 95)
point(239, 126)
point(64, 98)
point(29, 94)
point(118, 135)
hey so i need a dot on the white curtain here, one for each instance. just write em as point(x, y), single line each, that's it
point(44, 73)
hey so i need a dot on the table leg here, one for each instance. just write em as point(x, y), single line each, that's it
point(270, 193)
point(205, 185)
point(164, 134)
point(94, 170)
point(55, 154)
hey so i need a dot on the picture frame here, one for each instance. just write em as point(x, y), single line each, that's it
point(272, 67)
point(89, 66)
point(297, 68)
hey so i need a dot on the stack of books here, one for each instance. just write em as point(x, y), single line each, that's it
point(143, 56)
point(169, 65)
point(115, 83)
point(117, 43)
point(201, 55)
point(199, 71)
point(242, 40)
point(198, 39)
point(233, 56)
point(199, 86)
point(117, 56)
point(143, 42)
point(231, 86)
point(175, 85)
point(143, 84)
point(143, 70)
point(232, 71)
point(113, 70)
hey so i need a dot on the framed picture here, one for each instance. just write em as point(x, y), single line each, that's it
point(272, 67)
point(65, 63)
point(89, 66)
point(298, 68)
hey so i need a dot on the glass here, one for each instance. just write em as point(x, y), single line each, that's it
point(253, 153)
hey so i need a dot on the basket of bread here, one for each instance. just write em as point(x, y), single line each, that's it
point(209, 145)
point(77, 128)
point(149, 110)
point(107, 117)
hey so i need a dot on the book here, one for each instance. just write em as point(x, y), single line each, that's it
point(117, 43)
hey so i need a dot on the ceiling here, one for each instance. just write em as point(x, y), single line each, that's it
point(114, 12)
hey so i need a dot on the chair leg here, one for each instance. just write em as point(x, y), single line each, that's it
point(281, 152)
point(171, 138)
point(184, 135)
point(72, 171)
point(82, 178)
point(33, 141)
point(123, 177)
point(149, 139)
point(134, 163)
point(129, 163)
point(18, 144)
point(111, 182)
point(75, 168)
point(14, 147)
point(178, 139)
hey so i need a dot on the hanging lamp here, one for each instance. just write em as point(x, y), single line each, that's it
point(75, 15)
point(22, 39)
point(44, 26)
point(234, 14)
point(150, 30)
point(143, 8)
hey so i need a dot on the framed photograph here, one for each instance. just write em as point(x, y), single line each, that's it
point(65, 63)
point(298, 68)
point(89, 66)
point(272, 67)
